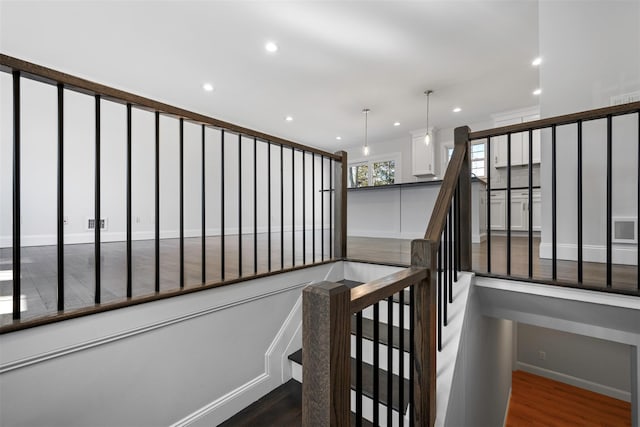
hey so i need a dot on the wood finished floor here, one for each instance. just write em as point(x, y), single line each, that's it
point(537, 401)
point(39, 265)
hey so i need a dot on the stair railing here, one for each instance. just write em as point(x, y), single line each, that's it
point(328, 309)
point(313, 184)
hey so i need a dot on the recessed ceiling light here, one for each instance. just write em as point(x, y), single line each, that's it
point(396, 123)
point(338, 138)
point(537, 91)
point(537, 61)
point(271, 47)
point(288, 118)
point(208, 87)
point(457, 110)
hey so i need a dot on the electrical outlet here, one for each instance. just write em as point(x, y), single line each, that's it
point(542, 355)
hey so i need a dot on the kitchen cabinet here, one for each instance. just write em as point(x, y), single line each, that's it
point(519, 210)
point(519, 142)
point(423, 155)
point(498, 210)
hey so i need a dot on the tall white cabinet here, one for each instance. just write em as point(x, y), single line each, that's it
point(520, 207)
point(422, 155)
point(519, 141)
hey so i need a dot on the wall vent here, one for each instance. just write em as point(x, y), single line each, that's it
point(625, 230)
point(91, 224)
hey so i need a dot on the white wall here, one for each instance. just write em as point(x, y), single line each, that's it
point(39, 173)
point(197, 358)
point(591, 363)
point(591, 52)
point(482, 379)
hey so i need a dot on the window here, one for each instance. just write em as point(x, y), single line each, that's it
point(359, 175)
point(478, 158)
point(374, 172)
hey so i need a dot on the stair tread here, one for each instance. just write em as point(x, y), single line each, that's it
point(281, 407)
point(383, 337)
point(367, 382)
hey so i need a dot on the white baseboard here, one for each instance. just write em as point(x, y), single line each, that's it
point(506, 411)
point(621, 254)
point(276, 373)
point(575, 381)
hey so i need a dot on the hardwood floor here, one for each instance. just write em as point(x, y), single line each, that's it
point(39, 265)
point(537, 401)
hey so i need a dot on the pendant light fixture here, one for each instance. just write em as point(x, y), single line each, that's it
point(365, 147)
point(427, 137)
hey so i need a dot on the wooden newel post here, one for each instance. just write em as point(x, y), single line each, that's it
point(461, 137)
point(340, 209)
point(424, 254)
point(326, 378)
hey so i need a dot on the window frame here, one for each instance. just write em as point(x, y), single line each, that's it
point(370, 160)
point(447, 157)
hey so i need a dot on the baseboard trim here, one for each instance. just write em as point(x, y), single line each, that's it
point(506, 411)
point(227, 400)
point(621, 254)
point(575, 381)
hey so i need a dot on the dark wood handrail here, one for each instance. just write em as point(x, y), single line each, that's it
point(369, 293)
point(77, 84)
point(445, 195)
point(599, 113)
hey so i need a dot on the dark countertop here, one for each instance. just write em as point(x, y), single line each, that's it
point(409, 185)
point(534, 187)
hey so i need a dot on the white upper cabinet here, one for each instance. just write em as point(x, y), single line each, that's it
point(519, 141)
point(422, 155)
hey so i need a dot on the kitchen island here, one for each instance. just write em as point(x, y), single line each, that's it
point(403, 210)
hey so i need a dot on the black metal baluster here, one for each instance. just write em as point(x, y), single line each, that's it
point(439, 272)
point(638, 208)
point(222, 260)
point(530, 203)
point(60, 201)
point(268, 206)
point(489, 167)
point(609, 197)
point(376, 364)
point(129, 206)
point(96, 223)
point(554, 234)
point(389, 360)
point(445, 252)
point(304, 208)
point(359, 369)
point(508, 204)
point(451, 269)
point(181, 203)
point(330, 208)
point(455, 234)
point(401, 358)
point(203, 253)
point(412, 353)
point(17, 246)
point(313, 207)
point(322, 206)
point(281, 207)
point(239, 205)
point(255, 205)
point(157, 202)
point(579, 201)
point(293, 207)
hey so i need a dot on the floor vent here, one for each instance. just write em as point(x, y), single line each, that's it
point(625, 230)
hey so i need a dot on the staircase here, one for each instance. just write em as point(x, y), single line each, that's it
point(283, 405)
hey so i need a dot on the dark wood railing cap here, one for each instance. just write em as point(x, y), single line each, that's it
point(369, 293)
point(50, 76)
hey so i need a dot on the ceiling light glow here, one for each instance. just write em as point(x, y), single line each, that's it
point(207, 87)
point(338, 138)
point(288, 118)
point(271, 47)
point(457, 110)
point(396, 124)
point(537, 91)
point(536, 61)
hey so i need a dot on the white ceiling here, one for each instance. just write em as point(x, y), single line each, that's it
point(335, 58)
